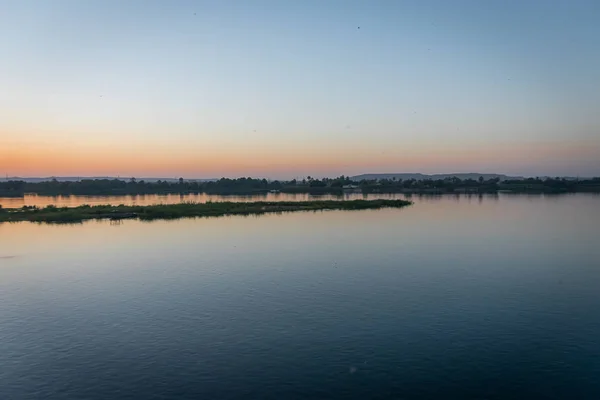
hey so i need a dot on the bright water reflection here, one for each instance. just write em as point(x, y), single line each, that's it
point(150, 199)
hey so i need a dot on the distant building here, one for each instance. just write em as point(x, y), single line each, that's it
point(350, 187)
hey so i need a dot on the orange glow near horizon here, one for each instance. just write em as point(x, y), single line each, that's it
point(169, 160)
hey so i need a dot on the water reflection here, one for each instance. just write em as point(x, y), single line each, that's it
point(151, 199)
point(454, 289)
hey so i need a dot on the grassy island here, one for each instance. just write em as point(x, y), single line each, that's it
point(183, 210)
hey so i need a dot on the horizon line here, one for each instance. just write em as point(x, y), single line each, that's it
point(127, 177)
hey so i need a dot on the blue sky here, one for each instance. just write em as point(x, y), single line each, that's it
point(286, 88)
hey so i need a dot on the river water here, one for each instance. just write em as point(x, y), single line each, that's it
point(490, 297)
point(151, 199)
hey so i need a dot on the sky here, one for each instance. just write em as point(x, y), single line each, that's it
point(281, 89)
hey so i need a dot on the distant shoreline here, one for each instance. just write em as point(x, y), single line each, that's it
point(339, 185)
point(54, 214)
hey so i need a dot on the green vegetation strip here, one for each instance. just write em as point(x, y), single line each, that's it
point(184, 210)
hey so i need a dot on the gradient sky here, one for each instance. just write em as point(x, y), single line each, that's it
point(294, 88)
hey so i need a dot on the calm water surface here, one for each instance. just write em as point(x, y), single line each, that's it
point(150, 199)
point(451, 298)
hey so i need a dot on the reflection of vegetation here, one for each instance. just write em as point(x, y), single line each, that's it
point(172, 211)
point(226, 186)
point(457, 185)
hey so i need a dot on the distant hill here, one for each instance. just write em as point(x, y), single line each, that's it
point(417, 176)
point(79, 178)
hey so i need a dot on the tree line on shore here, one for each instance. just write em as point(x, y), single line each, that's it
point(308, 185)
